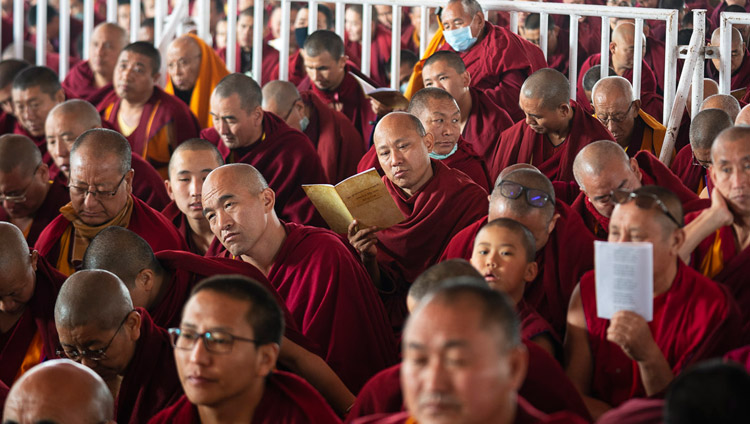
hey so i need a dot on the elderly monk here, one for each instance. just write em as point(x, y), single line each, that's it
point(91, 79)
point(241, 327)
point(725, 102)
point(481, 120)
point(99, 327)
point(740, 61)
point(28, 199)
point(9, 68)
point(28, 288)
point(101, 181)
point(244, 50)
point(153, 121)
point(603, 167)
point(244, 133)
point(66, 122)
point(613, 360)
point(439, 114)
point(194, 70)
point(436, 200)
point(60, 391)
point(36, 90)
point(498, 60)
point(632, 127)
point(554, 130)
point(692, 162)
point(323, 284)
point(339, 145)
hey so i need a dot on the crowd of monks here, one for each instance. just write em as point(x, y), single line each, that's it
point(161, 263)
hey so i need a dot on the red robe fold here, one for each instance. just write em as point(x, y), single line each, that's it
point(692, 176)
point(57, 197)
point(173, 214)
point(287, 159)
point(740, 356)
point(334, 303)
point(150, 382)
point(560, 58)
point(380, 54)
point(80, 84)
point(740, 78)
point(40, 141)
point(533, 325)
point(7, 123)
point(635, 411)
point(269, 67)
point(589, 32)
point(37, 318)
point(694, 320)
point(654, 57)
point(521, 144)
point(499, 63)
point(287, 399)
point(484, 125)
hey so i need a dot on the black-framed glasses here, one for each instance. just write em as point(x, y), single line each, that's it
point(291, 109)
point(94, 355)
point(20, 198)
point(704, 163)
point(83, 191)
point(643, 201)
point(615, 118)
point(511, 190)
point(214, 341)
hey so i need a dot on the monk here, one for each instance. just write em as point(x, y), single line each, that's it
point(244, 50)
point(558, 44)
point(91, 79)
point(436, 200)
point(554, 130)
point(725, 102)
point(339, 145)
point(498, 60)
point(322, 282)
point(245, 134)
point(65, 122)
point(194, 70)
point(300, 26)
point(692, 162)
point(153, 121)
point(241, 327)
point(633, 128)
point(613, 360)
point(9, 68)
point(60, 391)
point(101, 181)
point(603, 167)
point(99, 327)
point(28, 288)
point(740, 62)
point(481, 120)
point(380, 39)
point(36, 90)
point(744, 116)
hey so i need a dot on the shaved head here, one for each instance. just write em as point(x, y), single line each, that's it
point(15, 251)
point(84, 112)
point(247, 90)
point(322, 41)
point(184, 58)
point(706, 126)
point(92, 297)
point(737, 49)
point(425, 98)
point(624, 33)
point(744, 116)
point(731, 135)
point(614, 86)
point(105, 253)
point(508, 169)
point(242, 174)
point(186, 45)
point(725, 102)
point(716, 37)
point(549, 85)
point(100, 142)
point(531, 180)
point(710, 87)
point(18, 151)
point(279, 97)
point(447, 57)
point(434, 276)
point(471, 7)
point(596, 158)
point(195, 145)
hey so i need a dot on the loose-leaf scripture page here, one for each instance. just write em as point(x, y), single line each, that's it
point(624, 278)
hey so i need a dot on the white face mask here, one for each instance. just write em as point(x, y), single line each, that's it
point(303, 123)
point(460, 39)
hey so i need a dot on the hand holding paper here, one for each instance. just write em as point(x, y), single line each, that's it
point(631, 332)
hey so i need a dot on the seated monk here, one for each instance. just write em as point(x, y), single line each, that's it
point(632, 127)
point(436, 200)
point(740, 62)
point(245, 134)
point(231, 330)
point(65, 122)
point(339, 145)
point(380, 42)
point(603, 166)
point(194, 70)
point(482, 120)
point(725, 102)
point(36, 90)
point(497, 60)
point(91, 79)
point(101, 182)
point(99, 327)
point(613, 360)
point(554, 130)
point(9, 68)
point(28, 287)
point(692, 162)
point(243, 58)
point(28, 199)
point(300, 32)
point(60, 391)
point(439, 114)
point(558, 41)
point(323, 284)
point(153, 121)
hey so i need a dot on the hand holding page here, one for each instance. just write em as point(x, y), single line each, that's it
point(624, 278)
point(387, 96)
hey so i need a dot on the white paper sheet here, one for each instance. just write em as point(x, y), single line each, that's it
point(624, 278)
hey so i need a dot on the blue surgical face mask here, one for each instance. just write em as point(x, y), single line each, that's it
point(460, 39)
point(303, 123)
point(441, 157)
point(403, 87)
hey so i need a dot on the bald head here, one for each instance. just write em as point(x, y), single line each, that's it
point(519, 206)
point(548, 85)
point(18, 151)
point(744, 116)
point(737, 49)
point(105, 253)
point(446, 57)
point(710, 87)
point(92, 297)
point(428, 98)
point(508, 169)
point(15, 251)
point(279, 97)
point(242, 174)
point(624, 33)
point(612, 87)
point(434, 276)
point(725, 102)
point(736, 134)
point(83, 112)
point(716, 37)
point(195, 145)
point(706, 126)
point(184, 58)
point(185, 44)
point(247, 90)
point(596, 158)
point(101, 142)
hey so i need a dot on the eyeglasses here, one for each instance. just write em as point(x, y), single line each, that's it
point(615, 118)
point(83, 191)
point(94, 355)
point(643, 201)
point(213, 341)
point(704, 163)
point(291, 109)
point(181, 63)
point(511, 190)
point(20, 198)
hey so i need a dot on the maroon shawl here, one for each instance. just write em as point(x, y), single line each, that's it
point(485, 123)
point(80, 84)
point(269, 67)
point(692, 176)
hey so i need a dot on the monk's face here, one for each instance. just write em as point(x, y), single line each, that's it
point(184, 64)
point(236, 126)
point(106, 44)
point(454, 370)
point(499, 255)
point(442, 119)
point(616, 111)
point(441, 75)
point(738, 54)
point(301, 17)
point(455, 16)
point(353, 25)
point(245, 26)
point(31, 107)
point(403, 153)
point(24, 190)
point(101, 174)
point(730, 173)
point(221, 34)
point(385, 15)
point(598, 187)
point(6, 99)
point(188, 172)
point(123, 16)
point(324, 71)
point(61, 130)
point(532, 35)
point(135, 77)
point(541, 118)
point(17, 285)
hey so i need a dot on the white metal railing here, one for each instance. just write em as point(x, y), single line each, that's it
point(725, 47)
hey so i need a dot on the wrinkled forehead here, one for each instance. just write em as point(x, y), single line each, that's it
point(728, 150)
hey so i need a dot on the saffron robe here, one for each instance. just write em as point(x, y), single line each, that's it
point(499, 63)
point(57, 197)
point(287, 399)
point(694, 177)
point(80, 84)
point(740, 77)
point(648, 134)
point(694, 320)
point(287, 159)
point(485, 124)
point(520, 144)
point(33, 338)
point(269, 66)
point(380, 54)
point(56, 241)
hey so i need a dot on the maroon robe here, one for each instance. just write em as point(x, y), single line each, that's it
point(740, 78)
point(38, 317)
point(654, 57)
point(560, 58)
point(485, 124)
point(287, 399)
point(521, 144)
point(173, 214)
point(715, 14)
point(499, 63)
point(694, 320)
point(269, 66)
point(7, 123)
point(80, 84)
point(380, 54)
point(40, 141)
point(287, 159)
point(635, 411)
point(740, 355)
point(534, 325)
point(694, 177)
point(589, 32)
point(57, 197)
